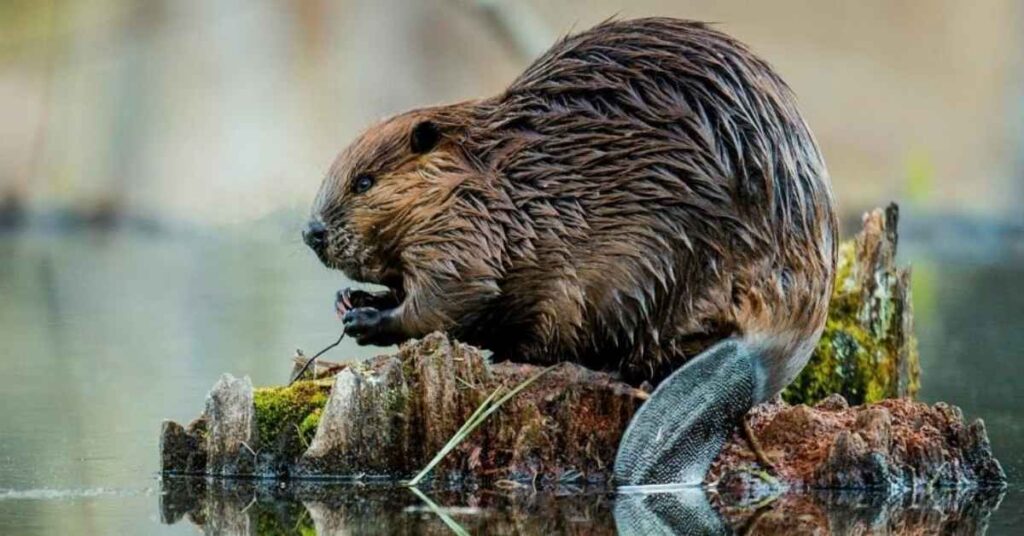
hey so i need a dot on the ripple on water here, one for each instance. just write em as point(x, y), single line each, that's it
point(51, 494)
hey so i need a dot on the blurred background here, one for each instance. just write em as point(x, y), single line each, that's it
point(158, 158)
point(224, 112)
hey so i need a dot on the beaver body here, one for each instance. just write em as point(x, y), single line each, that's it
point(644, 189)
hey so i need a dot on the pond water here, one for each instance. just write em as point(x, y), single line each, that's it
point(105, 334)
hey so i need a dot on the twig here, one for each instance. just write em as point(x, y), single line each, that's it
point(762, 508)
point(252, 502)
point(321, 363)
point(318, 354)
point(755, 446)
point(464, 382)
point(255, 453)
point(302, 517)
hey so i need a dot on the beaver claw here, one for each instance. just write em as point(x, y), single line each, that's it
point(349, 299)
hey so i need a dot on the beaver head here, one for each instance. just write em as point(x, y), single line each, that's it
point(382, 194)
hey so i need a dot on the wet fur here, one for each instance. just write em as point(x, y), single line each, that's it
point(644, 189)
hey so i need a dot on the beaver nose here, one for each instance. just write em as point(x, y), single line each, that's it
point(315, 236)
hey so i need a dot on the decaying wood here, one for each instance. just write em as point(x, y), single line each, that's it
point(388, 416)
point(868, 351)
point(893, 445)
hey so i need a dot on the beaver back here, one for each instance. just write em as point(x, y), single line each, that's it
point(656, 190)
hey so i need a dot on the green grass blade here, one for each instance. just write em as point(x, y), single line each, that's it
point(455, 439)
point(526, 383)
point(486, 408)
point(452, 524)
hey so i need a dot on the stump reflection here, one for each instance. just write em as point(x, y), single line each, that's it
point(321, 508)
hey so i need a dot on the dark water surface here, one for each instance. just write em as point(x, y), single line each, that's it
point(104, 335)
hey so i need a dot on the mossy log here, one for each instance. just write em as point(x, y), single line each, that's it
point(386, 417)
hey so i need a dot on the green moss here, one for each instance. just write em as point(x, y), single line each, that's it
point(856, 357)
point(847, 361)
point(287, 417)
point(309, 424)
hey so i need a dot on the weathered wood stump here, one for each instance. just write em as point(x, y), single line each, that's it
point(891, 446)
point(868, 351)
point(386, 417)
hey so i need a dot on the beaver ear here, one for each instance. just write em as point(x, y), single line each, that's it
point(424, 137)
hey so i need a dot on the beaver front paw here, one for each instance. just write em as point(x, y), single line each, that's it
point(349, 299)
point(370, 326)
point(362, 324)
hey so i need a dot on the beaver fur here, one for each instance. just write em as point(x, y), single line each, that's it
point(644, 189)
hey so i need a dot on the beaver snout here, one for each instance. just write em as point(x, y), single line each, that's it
point(315, 236)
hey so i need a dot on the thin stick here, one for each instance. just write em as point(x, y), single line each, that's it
point(318, 354)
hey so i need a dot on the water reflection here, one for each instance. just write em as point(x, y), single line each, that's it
point(942, 511)
point(257, 507)
point(686, 511)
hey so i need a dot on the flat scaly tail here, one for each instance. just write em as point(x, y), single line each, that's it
point(676, 434)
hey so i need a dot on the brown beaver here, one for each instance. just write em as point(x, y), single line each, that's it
point(644, 192)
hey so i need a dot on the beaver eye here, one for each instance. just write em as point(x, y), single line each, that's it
point(362, 183)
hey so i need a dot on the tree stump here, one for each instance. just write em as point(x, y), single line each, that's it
point(867, 352)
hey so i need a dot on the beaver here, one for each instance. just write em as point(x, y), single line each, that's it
point(644, 199)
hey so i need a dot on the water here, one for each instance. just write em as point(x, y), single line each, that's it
point(104, 335)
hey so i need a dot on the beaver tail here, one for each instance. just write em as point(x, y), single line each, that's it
point(676, 434)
